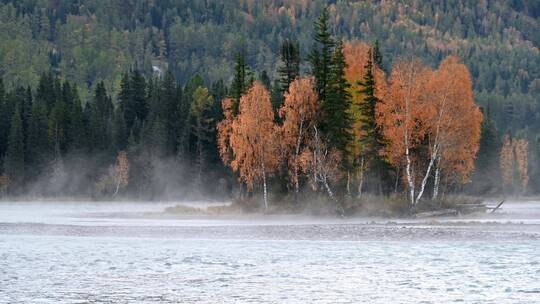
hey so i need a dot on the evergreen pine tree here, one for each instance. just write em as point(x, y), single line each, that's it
point(120, 134)
point(133, 100)
point(172, 100)
point(124, 101)
point(265, 80)
point(100, 120)
point(38, 149)
point(202, 125)
point(5, 118)
point(335, 122)
point(76, 130)
point(14, 162)
point(321, 55)
point(290, 64)
point(373, 140)
point(26, 110)
point(377, 55)
point(240, 81)
point(486, 177)
point(56, 124)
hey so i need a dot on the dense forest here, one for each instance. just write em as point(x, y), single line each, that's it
point(92, 90)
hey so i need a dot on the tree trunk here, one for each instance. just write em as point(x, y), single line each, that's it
point(361, 178)
point(264, 189)
point(117, 188)
point(296, 155)
point(348, 183)
point(437, 179)
point(410, 181)
point(328, 190)
point(428, 172)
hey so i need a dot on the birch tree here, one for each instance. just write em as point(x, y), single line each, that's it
point(298, 113)
point(253, 139)
point(402, 116)
point(454, 123)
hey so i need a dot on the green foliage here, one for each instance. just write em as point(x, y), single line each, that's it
point(373, 141)
point(320, 57)
point(14, 162)
point(336, 122)
point(289, 69)
point(74, 56)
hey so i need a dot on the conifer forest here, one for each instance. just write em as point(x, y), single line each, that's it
point(269, 102)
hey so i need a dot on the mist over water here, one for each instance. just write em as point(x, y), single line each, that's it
point(127, 252)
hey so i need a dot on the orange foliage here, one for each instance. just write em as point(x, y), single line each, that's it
point(403, 111)
point(506, 161)
point(454, 119)
point(253, 139)
point(224, 129)
point(320, 164)
point(434, 107)
point(298, 112)
point(521, 150)
point(121, 170)
point(514, 158)
point(356, 56)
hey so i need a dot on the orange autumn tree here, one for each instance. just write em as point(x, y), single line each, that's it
point(431, 121)
point(298, 113)
point(513, 161)
point(253, 139)
point(521, 147)
point(320, 163)
point(121, 171)
point(454, 122)
point(402, 116)
point(224, 129)
point(506, 161)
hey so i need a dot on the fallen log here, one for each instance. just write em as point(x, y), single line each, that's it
point(499, 205)
point(443, 212)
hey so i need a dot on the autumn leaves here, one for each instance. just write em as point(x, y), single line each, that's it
point(429, 123)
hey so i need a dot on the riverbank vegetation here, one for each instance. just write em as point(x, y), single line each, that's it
point(333, 121)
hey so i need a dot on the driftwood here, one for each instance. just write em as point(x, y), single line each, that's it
point(443, 212)
point(499, 205)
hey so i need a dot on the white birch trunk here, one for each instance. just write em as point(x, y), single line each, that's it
point(296, 156)
point(361, 178)
point(410, 180)
point(437, 179)
point(265, 194)
point(426, 176)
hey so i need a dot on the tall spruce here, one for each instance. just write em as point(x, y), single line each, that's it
point(377, 55)
point(486, 178)
point(320, 57)
point(5, 118)
point(171, 96)
point(38, 149)
point(101, 112)
point(202, 127)
point(241, 80)
point(336, 122)
point(14, 161)
point(373, 139)
point(76, 130)
point(289, 69)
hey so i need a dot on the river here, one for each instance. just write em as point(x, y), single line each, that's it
point(76, 252)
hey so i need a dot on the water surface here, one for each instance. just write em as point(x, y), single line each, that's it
point(66, 254)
